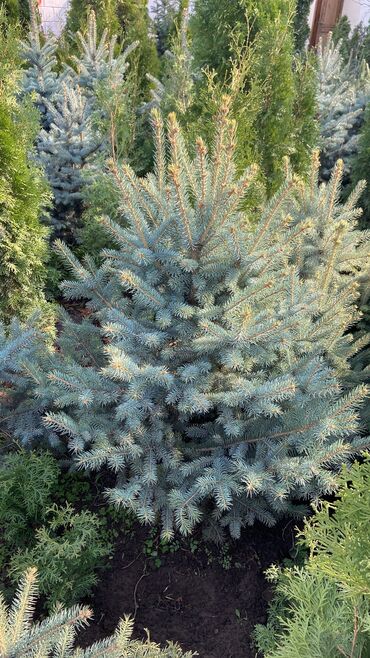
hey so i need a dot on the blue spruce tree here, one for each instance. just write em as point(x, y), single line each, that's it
point(40, 77)
point(208, 376)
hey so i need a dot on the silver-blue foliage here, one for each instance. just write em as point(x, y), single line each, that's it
point(212, 375)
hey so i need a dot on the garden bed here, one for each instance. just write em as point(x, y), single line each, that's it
point(208, 600)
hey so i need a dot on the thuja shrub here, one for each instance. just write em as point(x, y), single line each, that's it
point(67, 546)
point(23, 191)
point(207, 375)
point(322, 609)
point(68, 550)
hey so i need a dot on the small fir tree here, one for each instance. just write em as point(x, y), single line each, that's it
point(55, 636)
point(342, 97)
point(40, 77)
point(213, 392)
point(64, 152)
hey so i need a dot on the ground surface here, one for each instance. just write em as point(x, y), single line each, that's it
point(191, 598)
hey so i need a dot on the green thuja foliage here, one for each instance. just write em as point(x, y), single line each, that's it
point(323, 608)
point(273, 93)
point(27, 480)
point(23, 193)
point(69, 547)
point(67, 550)
point(301, 27)
point(361, 169)
point(16, 11)
point(273, 73)
point(55, 636)
point(212, 25)
point(205, 376)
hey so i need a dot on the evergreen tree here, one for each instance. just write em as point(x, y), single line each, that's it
point(273, 93)
point(206, 376)
point(361, 169)
point(273, 73)
point(64, 152)
point(212, 26)
point(165, 15)
point(129, 20)
point(77, 118)
point(176, 91)
point(55, 636)
point(301, 27)
point(40, 77)
point(16, 11)
point(23, 193)
point(322, 608)
point(342, 96)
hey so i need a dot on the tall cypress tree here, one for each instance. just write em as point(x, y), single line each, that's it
point(301, 27)
point(23, 192)
point(212, 25)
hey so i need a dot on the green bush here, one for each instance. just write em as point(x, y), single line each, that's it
point(27, 480)
point(39, 526)
point(67, 551)
point(322, 610)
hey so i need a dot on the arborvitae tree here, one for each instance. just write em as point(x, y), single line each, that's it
point(205, 377)
point(212, 26)
point(273, 72)
point(301, 27)
point(17, 11)
point(176, 90)
point(361, 168)
point(273, 93)
point(23, 193)
point(342, 96)
point(55, 636)
point(323, 608)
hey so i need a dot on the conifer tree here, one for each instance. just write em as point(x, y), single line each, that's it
point(76, 122)
point(129, 21)
point(64, 151)
point(361, 169)
point(40, 77)
point(165, 14)
point(212, 26)
point(55, 636)
point(209, 381)
point(17, 11)
point(23, 193)
point(343, 93)
point(175, 92)
point(301, 27)
point(273, 93)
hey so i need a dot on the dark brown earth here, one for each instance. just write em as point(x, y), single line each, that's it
point(191, 598)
